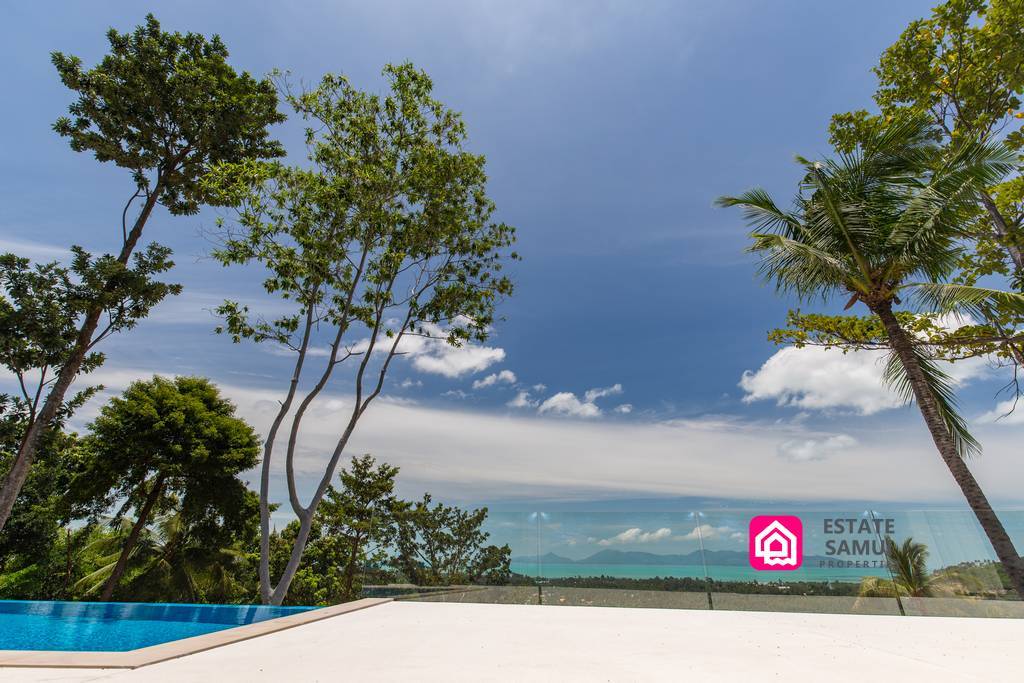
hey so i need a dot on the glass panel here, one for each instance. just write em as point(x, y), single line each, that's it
point(938, 564)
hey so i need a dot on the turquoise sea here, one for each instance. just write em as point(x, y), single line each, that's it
point(732, 573)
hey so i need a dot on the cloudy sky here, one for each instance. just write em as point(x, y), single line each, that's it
point(632, 361)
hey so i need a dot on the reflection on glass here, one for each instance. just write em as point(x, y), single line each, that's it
point(912, 562)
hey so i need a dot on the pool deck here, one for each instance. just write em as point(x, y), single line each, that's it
point(477, 642)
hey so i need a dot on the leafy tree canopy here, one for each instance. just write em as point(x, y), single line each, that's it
point(167, 103)
point(963, 67)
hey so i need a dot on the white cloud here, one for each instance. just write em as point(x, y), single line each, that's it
point(506, 376)
point(540, 387)
point(806, 450)
point(594, 394)
point(625, 408)
point(522, 400)
point(637, 535)
point(38, 252)
point(431, 353)
point(452, 361)
point(409, 383)
point(819, 379)
point(1007, 413)
point(566, 403)
point(707, 532)
point(463, 455)
point(199, 308)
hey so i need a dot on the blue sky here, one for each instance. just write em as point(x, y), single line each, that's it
point(609, 129)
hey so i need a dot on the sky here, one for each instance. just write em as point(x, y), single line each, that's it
point(631, 363)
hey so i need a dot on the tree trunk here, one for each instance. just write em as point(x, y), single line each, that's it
point(69, 371)
point(350, 570)
point(133, 537)
point(1002, 231)
point(268, 451)
point(285, 582)
point(993, 528)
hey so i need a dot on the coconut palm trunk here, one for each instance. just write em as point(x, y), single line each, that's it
point(133, 538)
point(902, 346)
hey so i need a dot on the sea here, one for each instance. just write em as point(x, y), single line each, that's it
point(719, 573)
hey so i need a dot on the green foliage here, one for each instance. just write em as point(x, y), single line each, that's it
point(444, 545)
point(350, 535)
point(54, 574)
point(362, 531)
point(866, 333)
point(32, 559)
point(179, 430)
point(170, 104)
point(963, 67)
point(169, 445)
point(42, 306)
point(909, 566)
point(392, 202)
point(178, 560)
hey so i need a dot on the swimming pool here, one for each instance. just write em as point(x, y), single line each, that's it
point(118, 626)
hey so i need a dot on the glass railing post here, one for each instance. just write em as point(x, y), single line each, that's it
point(703, 558)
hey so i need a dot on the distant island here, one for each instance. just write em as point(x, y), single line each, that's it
point(714, 558)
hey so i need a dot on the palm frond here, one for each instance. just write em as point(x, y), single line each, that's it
point(799, 267)
point(941, 386)
point(908, 563)
point(938, 210)
point(761, 213)
point(955, 298)
point(844, 219)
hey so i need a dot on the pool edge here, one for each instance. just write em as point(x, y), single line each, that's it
point(133, 659)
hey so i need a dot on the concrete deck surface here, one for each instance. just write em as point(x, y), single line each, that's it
point(409, 641)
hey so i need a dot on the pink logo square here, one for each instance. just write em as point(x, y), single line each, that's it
point(776, 543)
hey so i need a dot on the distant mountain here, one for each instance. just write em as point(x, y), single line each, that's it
point(636, 557)
point(715, 558)
point(547, 558)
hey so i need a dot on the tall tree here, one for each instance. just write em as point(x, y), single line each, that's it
point(908, 566)
point(386, 236)
point(164, 444)
point(444, 545)
point(164, 106)
point(364, 513)
point(881, 225)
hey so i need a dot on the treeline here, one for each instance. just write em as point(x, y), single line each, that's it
point(697, 585)
point(149, 505)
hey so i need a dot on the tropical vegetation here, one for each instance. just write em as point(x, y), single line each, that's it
point(385, 236)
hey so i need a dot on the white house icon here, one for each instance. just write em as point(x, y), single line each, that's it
point(776, 545)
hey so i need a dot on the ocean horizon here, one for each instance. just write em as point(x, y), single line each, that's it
point(717, 572)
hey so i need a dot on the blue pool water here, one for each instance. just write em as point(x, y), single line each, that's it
point(118, 626)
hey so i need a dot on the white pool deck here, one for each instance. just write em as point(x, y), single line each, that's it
point(414, 641)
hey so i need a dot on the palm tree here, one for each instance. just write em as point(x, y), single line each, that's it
point(168, 562)
point(908, 564)
point(877, 226)
point(908, 567)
